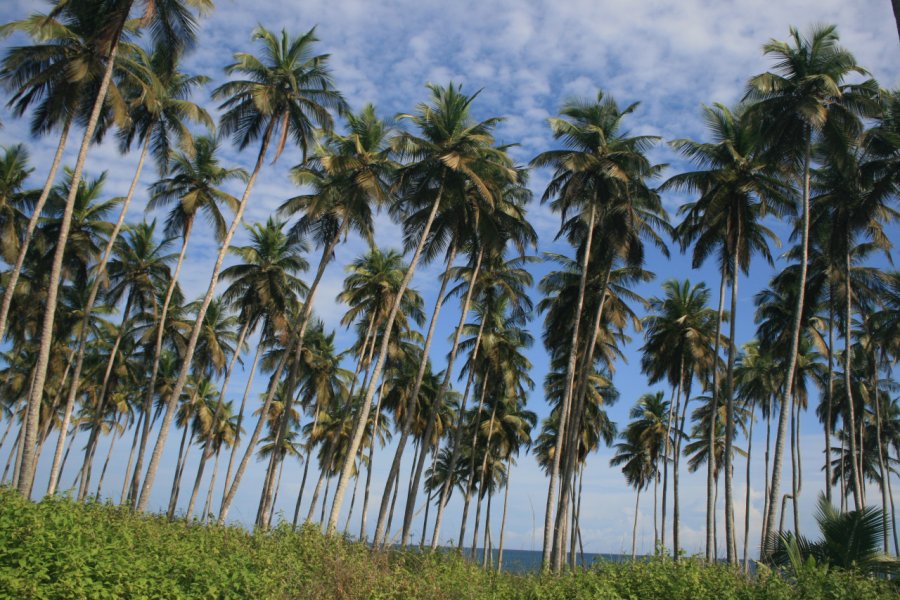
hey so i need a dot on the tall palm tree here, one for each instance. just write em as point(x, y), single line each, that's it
point(286, 95)
point(14, 171)
point(447, 155)
point(170, 22)
point(194, 185)
point(807, 96)
point(159, 108)
point(639, 469)
point(599, 165)
point(679, 341)
point(738, 187)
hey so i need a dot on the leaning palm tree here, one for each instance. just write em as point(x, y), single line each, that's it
point(738, 187)
point(599, 168)
point(448, 154)
point(286, 95)
point(807, 96)
point(171, 23)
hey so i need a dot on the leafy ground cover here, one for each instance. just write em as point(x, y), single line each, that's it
point(61, 549)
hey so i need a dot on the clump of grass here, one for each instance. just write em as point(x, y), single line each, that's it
point(58, 548)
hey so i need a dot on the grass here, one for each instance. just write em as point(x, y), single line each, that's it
point(61, 549)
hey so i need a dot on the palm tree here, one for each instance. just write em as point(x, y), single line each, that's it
point(648, 425)
point(287, 94)
point(14, 171)
point(639, 468)
point(171, 22)
point(158, 104)
point(679, 342)
point(449, 155)
point(738, 187)
point(194, 185)
point(598, 175)
point(806, 97)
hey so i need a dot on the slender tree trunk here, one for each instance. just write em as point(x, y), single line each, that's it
point(207, 506)
point(673, 415)
point(195, 333)
point(677, 459)
point(730, 536)
point(72, 434)
point(296, 343)
point(406, 427)
point(796, 474)
point(486, 544)
point(637, 504)
point(14, 453)
point(829, 393)
point(711, 438)
point(766, 472)
point(27, 470)
point(747, 500)
point(455, 448)
point(439, 399)
point(547, 559)
point(893, 513)
point(240, 422)
point(382, 541)
point(788, 388)
point(353, 494)
point(329, 456)
point(881, 463)
point(157, 355)
point(88, 309)
point(365, 506)
point(271, 514)
point(481, 480)
point(112, 443)
point(855, 477)
point(33, 221)
point(176, 481)
point(656, 509)
point(503, 518)
point(471, 483)
point(207, 445)
point(134, 440)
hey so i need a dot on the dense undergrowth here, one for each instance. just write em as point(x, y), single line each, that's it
point(61, 549)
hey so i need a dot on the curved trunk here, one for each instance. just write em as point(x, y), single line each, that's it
point(240, 420)
point(27, 469)
point(88, 309)
point(365, 506)
point(33, 221)
point(115, 436)
point(207, 506)
point(730, 544)
point(711, 438)
point(439, 399)
point(848, 385)
point(788, 388)
point(296, 342)
point(547, 559)
point(157, 354)
point(207, 445)
point(179, 467)
point(457, 440)
point(134, 440)
point(198, 324)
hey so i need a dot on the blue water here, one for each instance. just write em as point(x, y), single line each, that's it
point(529, 561)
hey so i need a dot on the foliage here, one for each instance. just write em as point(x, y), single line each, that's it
point(61, 549)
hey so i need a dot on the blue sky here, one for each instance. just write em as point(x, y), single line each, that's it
point(527, 58)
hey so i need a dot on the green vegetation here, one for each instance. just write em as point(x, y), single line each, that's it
point(62, 549)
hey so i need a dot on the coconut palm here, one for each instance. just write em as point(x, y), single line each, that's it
point(738, 187)
point(679, 342)
point(170, 22)
point(639, 468)
point(448, 156)
point(14, 197)
point(806, 97)
point(285, 95)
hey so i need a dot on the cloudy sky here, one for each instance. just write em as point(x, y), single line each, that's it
point(526, 58)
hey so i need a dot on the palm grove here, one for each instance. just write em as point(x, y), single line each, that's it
point(101, 342)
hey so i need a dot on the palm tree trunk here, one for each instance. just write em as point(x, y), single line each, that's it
point(677, 459)
point(271, 513)
point(637, 504)
point(101, 400)
point(406, 427)
point(893, 512)
point(788, 388)
point(730, 536)
point(207, 506)
point(115, 436)
point(198, 324)
point(656, 508)
point(14, 453)
point(134, 440)
point(157, 355)
point(85, 320)
point(829, 393)
point(72, 433)
point(329, 455)
point(33, 221)
point(381, 542)
point(795, 463)
point(747, 501)
point(223, 511)
point(548, 559)
point(353, 495)
point(296, 342)
point(179, 465)
point(481, 480)
point(302, 486)
point(207, 446)
point(471, 483)
point(503, 518)
point(27, 470)
point(365, 506)
point(711, 438)
point(486, 545)
point(439, 399)
point(673, 412)
point(881, 463)
point(575, 421)
point(855, 477)
point(457, 440)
